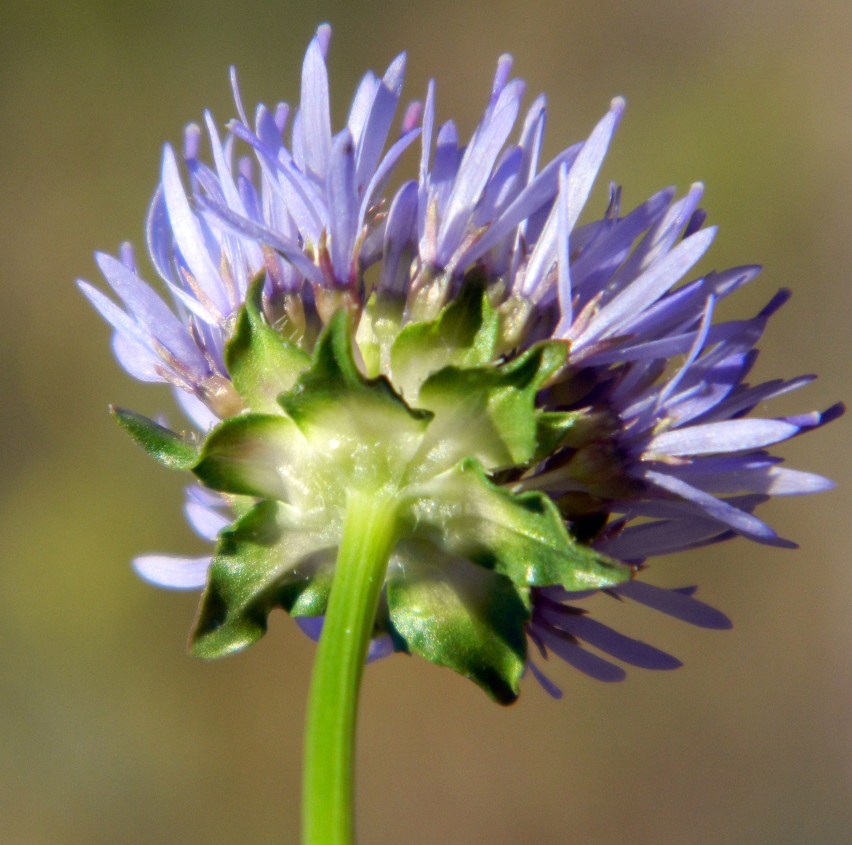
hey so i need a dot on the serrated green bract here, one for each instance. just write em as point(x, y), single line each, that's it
point(437, 418)
point(487, 413)
point(170, 449)
point(459, 615)
point(520, 535)
point(271, 557)
point(262, 364)
point(464, 334)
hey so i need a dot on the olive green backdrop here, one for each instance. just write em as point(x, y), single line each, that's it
point(110, 734)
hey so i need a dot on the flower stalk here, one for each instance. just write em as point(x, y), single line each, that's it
point(369, 533)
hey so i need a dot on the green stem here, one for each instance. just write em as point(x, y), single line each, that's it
point(369, 534)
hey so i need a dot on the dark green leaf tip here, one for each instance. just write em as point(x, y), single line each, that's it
point(169, 448)
point(263, 561)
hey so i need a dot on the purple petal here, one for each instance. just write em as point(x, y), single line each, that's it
point(675, 603)
point(629, 650)
point(223, 170)
point(705, 389)
point(546, 684)
point(343, 206)
point(428, 129)
point(205, 521)
point(657, 243)
point(661, 537)
point(268, 128)
point(412, 116)
point(324, 38)
point(576, 656)
point(188, 236)
point(500, 188)
point(380, 647)
point(695, 222)
point(118, 319)
point(596, 264)
point(532, 135)
point(300, 198)
point(816, 419)
point(193, 306)
point(138, 360)
point(359, 111)
point(400, 232)
point(205, 497)
point(311, 626)
point(727, 436)
point(679, 307)
point(649, 287)
point(383, 171)
point(249, 228)
point(154, 315)
point(732, 475)
point(535, 196)
point(447, 159)
point(177, 573)
point(542, 258)
point(680, 509)
point(744, 399)
point(697, 346)
point(315, 120)
point(132, 345)
point(159, 234)
point(128, 257)
point(585, 167)
point(383, 107)
point(563, 255)
point(743, 523)
point(501, 75)
point(475, 168)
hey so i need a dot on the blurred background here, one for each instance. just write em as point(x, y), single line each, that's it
point(109, 733)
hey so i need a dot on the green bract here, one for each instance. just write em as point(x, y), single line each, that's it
point(428, 418)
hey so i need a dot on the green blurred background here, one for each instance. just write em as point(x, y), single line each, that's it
point(109, 733)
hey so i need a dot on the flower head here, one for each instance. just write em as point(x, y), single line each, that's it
point(539, 405)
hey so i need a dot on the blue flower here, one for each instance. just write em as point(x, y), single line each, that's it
point(650, 446)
